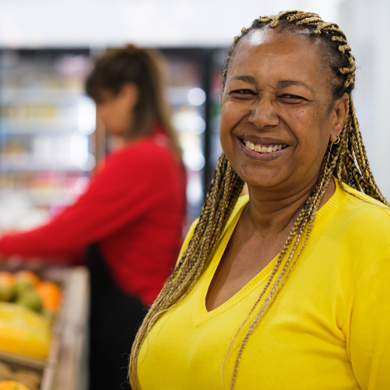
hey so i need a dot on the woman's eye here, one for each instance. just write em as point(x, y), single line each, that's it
point(288, 98)
point(242, 92)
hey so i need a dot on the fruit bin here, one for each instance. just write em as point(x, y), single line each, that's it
point(37, 374)
point(66, 364)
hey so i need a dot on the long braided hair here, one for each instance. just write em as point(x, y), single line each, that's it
point(346, 160)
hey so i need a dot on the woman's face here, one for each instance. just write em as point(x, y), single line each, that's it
point(277, 112)
point(116, 111)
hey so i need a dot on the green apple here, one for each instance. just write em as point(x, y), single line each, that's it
point(30, 299)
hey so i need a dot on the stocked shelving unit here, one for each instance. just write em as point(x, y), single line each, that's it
point(46, 129)
point(48, 142)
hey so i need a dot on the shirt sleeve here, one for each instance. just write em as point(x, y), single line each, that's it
point(123, 191)
point(369, 338)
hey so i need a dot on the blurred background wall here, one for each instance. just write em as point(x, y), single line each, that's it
point(145, 22)
point(48, 142)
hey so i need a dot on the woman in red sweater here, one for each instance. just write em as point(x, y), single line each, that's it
point(131, 216)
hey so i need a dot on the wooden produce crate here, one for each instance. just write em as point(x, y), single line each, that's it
point(65, 367)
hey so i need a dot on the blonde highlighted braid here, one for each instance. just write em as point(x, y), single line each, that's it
point(346, 160)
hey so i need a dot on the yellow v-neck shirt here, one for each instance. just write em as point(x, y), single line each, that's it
point(328, 329)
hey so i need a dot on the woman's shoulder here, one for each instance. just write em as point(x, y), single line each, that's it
point(359, 223)
point(143, 153)
point(360, 206)
point(361, 196)
point(146, 147)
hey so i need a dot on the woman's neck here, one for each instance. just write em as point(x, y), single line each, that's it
point(270, 215)
point(117, 142)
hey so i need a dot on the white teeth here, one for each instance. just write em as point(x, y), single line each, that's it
point(262, 148)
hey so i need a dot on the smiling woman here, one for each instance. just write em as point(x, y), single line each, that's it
point(285, 288)
point(274, 85)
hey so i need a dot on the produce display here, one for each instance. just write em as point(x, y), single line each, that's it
point(18, 379)
point(28, 307)
point(43, 317)
point(23, 379)
point(23, 332)
point(12, 385)
point(25, 288)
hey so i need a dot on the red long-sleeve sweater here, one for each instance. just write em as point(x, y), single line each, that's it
point(133, 208)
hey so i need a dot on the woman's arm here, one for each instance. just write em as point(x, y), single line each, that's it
point(122, 192)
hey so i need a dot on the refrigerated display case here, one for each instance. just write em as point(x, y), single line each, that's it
point(46, 128)
point(194, 95)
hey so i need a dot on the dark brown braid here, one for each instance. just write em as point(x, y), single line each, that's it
point(346, 160)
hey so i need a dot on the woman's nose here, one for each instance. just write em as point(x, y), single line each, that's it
point(263, 113)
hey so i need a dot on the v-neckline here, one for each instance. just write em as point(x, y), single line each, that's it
point(201, 313)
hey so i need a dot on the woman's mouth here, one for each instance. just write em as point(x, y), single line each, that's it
point(263, 149)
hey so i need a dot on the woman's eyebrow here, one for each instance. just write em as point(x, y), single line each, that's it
point(247, 79)
point(280, 84)
point(289, 83)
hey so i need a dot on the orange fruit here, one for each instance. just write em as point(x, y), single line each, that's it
point(50, 294)
point(7, 279)
point(27, 276)
point(12, 385)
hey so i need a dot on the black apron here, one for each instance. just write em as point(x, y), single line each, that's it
point(114, 320)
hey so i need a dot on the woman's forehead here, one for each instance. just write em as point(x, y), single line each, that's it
point(266, 42)
point(270, 57)
point(102, 94)
point(266, 35)
point(259, 36)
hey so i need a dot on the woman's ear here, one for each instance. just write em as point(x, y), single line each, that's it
point(339, 115)
point(129, 93)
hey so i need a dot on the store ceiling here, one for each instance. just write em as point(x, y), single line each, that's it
point(100, 23)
